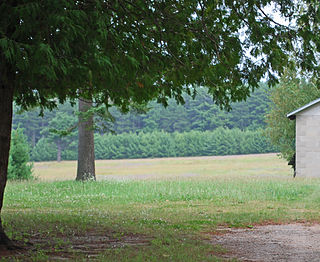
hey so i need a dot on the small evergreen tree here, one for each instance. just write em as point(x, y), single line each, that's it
point(19, 167)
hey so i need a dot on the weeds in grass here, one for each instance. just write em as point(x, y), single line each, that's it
point(168, 215)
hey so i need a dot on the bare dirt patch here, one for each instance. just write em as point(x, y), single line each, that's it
point(89, 246)
point(291, 242)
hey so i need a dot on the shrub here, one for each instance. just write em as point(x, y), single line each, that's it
point(19, 167)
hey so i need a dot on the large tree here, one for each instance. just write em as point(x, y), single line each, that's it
point(86, 158)
point(125, 50)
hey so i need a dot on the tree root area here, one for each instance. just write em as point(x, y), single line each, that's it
point(88, 246)
point(290, 242)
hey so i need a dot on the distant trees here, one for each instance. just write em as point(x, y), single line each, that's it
point(200, 114)
point(32, 123)
point(291, 93)
point(60, 130)
point(221, 141)
point(53, 133)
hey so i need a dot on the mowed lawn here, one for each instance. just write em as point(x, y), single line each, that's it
point(152, 209)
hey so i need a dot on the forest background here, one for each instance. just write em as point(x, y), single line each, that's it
point(197, 128)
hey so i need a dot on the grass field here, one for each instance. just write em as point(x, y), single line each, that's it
point(152, 209)
point(221, 167)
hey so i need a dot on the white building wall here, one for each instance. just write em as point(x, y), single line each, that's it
point(308, 142)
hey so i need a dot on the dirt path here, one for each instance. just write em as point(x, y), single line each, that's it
point(87, 247)
point(292, 242)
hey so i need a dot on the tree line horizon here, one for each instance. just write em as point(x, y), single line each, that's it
point(200, 114)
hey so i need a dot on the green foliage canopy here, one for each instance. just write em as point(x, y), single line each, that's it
point(123, 51)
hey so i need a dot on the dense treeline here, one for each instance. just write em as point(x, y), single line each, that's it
point(221, 141)
point(199, 122)
point(196, 114)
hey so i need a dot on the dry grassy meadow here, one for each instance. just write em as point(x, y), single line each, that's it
point(215, 167)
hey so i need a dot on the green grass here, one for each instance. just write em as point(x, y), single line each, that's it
point(173, 214)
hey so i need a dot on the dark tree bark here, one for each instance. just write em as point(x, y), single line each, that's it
point(6, 100)
point(86, 166)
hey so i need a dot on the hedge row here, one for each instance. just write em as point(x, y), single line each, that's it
point(160, 144)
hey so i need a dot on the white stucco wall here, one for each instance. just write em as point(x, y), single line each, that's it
point(308, 142)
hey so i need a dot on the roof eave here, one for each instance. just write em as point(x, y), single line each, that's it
point(292, 115)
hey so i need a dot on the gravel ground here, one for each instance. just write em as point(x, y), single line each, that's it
point(291, 242)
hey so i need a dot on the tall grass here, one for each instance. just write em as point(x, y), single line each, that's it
point(97, 196)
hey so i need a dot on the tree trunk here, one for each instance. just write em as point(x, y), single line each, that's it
point(86, 166)
point(6, 99)
point(59, 150)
